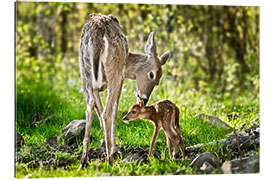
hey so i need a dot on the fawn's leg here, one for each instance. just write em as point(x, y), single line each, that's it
point(153, 141)
point(175, 145)
point(177, 130)
point(181, 142)
point(89, 117)
point(169, 143)
point(174, 138)
point(182, 147)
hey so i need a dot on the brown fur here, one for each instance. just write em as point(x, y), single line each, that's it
point(165, 115)
point(104, 64)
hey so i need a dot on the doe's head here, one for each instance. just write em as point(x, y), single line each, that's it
point(150, 72)
point(135, 112)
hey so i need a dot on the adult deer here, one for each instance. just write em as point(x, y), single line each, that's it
point(104, 64)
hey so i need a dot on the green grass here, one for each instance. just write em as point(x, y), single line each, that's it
point(154, 167)
point(38, 102)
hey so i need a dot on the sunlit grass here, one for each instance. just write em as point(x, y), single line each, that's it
point(71, 105)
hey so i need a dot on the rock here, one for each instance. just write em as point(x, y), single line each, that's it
point(18, 156)
point(205, 160)
point(238, 133)
point(207, 167)
point(131, 157)
point(52, 141)
point(74, 129)
point(214, 120)
point(246, 165)
point(96, 153)
point(102, 143)
point(136, 158)
point(19, 140)
point(253, 165)
point(227, 167)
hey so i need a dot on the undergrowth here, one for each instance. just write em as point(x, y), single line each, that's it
point(42, 112)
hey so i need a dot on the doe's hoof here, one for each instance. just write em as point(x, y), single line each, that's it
point(83, 165)
point(110, 161)
point(84, 161)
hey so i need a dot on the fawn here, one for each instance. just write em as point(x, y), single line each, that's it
point(165, 115)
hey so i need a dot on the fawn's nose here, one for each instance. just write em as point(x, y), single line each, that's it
point(125, 119)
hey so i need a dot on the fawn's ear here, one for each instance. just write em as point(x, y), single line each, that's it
point(150, 46)
point(141, 104)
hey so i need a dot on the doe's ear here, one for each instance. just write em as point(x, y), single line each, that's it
point(164, 57)
point(150, 46)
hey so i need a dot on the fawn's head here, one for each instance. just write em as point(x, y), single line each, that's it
point(150, 72)
point(135, 112)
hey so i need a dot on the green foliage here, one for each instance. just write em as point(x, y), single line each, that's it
point(213, 69)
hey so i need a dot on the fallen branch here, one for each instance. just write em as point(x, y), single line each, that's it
point(214, 121)
point(248, 140)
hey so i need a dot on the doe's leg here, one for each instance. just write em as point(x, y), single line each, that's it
point(109, 117)
point(89, 119)
point(99, 108)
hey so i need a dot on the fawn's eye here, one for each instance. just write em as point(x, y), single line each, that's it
point(151, 75)
point(133, 112)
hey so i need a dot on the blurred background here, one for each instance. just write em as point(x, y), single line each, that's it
point(214, 53)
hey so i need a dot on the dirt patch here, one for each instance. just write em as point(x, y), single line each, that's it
point(47, 156)
point(64, 155)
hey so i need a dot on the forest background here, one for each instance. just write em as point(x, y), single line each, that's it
point(214, 65)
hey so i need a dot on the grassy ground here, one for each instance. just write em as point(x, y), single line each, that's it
point(43, 112)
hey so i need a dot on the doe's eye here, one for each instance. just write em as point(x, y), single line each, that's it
point(151, 75)
point(133, 112)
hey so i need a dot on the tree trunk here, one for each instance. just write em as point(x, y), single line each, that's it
point(64, 31)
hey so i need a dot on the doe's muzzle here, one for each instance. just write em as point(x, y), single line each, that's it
point(141, 100)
